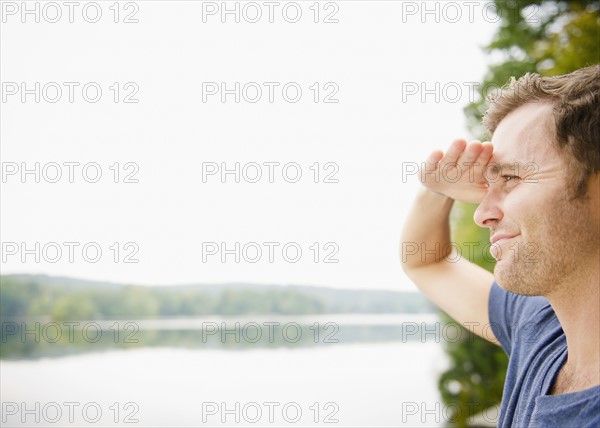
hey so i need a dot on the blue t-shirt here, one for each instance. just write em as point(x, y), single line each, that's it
point(531, 335)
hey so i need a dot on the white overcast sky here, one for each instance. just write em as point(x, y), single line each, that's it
point(371, 54)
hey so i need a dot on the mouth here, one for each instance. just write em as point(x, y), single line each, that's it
point(497, 240)
point(501, 238)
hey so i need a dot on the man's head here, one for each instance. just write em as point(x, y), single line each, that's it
point(574, 121)
point(542, 204)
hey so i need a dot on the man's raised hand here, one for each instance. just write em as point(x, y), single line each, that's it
point(458, 173)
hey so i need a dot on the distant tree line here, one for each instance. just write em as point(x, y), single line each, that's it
point(31, 296)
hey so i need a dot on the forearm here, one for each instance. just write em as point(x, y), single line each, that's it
point(457, 286)
point(426, 233)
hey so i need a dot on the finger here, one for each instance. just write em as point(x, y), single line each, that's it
point(486, 153)
point(431, 163)
point(467, 160)
point(470, 155)
point(453, 153)
point(433, 159)
point(483, 160)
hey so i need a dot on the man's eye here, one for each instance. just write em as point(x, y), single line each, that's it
point(510, 178)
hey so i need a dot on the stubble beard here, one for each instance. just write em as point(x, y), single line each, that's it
point(559, 241)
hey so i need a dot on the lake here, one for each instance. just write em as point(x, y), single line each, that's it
point(389, 382)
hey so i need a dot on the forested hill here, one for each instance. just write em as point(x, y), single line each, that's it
point(69, 298)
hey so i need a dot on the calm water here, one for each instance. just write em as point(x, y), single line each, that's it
point(385, 383)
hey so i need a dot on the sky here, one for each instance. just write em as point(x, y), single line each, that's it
point(136, 121)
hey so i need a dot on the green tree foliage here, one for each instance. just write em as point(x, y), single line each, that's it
point(64, 299)
point(16, 302)
point(76, 306)
point(543, 36)
point(550, 38)
point(475, 379)
point(61, 303)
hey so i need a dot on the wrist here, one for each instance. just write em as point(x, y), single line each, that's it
point(434, 194)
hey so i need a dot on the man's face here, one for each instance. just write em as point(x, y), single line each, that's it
point(539, 238)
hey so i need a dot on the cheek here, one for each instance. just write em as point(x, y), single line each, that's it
point(525, 210)
point(537, 210)
point(520, 204)
point(532, 197)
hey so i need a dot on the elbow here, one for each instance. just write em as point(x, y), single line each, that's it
point(409, 255)
point(409, 250)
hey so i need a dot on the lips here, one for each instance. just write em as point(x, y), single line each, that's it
point(496, 240)
point(500, 237)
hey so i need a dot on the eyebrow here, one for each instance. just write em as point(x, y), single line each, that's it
point(497, 167)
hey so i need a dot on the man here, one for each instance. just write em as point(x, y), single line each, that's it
point(538, 188)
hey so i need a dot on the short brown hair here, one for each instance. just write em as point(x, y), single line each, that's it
point(576, 113)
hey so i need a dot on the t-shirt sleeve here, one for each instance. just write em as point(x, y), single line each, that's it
point(511, 314)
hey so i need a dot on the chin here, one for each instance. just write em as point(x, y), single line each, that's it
point(516, 278)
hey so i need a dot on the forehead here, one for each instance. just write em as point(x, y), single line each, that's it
point(526, 134)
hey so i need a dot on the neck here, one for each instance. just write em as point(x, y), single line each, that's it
point(577, 306)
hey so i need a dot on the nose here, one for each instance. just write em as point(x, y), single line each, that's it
point(488, 213)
